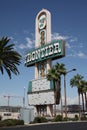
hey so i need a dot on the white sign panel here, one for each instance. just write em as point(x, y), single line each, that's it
point(40, 84)
point(41, 98)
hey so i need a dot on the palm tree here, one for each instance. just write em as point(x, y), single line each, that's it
point(76, 82)
point(61, 70)
point(53, 75)
point(9, 58)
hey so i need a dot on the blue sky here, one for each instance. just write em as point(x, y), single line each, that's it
point(69, 22)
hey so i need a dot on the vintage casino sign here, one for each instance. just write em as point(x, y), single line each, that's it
point(41, 92)
point(53, 50)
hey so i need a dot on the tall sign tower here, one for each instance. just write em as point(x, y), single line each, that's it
point(40, 90)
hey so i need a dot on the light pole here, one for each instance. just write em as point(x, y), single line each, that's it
point(65, 73)
point(24, 99)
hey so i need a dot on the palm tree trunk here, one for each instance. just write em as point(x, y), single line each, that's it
point(65, 95)
point(83, 102)
point(61, 103)
point(57, 95)
point(79, 105)
point(54, 98)
point(54, 104)
point(61, 99)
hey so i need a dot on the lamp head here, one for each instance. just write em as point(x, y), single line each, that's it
point(74, 69)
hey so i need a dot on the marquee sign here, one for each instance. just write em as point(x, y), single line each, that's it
point(53, 50)
point(41, 84)
point(41, 91)
point(41, 98)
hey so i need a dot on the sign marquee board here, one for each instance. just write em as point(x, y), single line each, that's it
point(52, 51)
point(41, 84)
point(41, 98)
point(41, 91)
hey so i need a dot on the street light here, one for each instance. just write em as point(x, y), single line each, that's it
point(24, 99)
point(65, 73)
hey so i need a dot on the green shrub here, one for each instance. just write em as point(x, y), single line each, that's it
point(76, 118)
point(1, 123)
point(39, 120)
point(66, 119)
point(20, 122)
point(0, 117)
point(57, 118)
point(11, 122)
point(83, 118)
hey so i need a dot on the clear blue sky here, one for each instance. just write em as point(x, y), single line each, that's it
point(69, 21)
